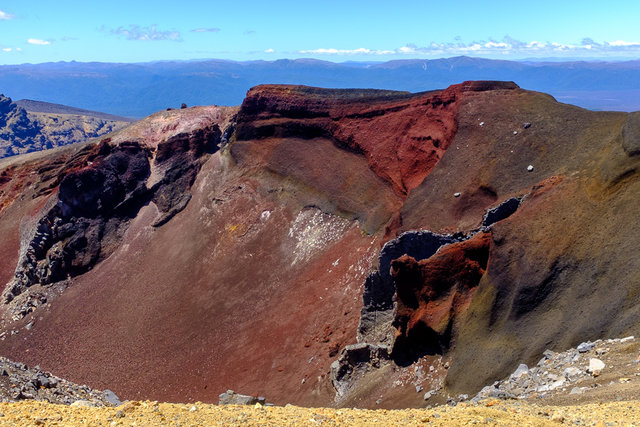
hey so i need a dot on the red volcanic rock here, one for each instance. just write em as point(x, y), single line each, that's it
point(433, 293)
point(402, 135)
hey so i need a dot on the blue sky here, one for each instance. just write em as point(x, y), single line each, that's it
point(140, 31)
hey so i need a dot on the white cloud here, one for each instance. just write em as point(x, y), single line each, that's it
point(39, 42)
point(622, 43)
point(151, 33)
point(5, 16)
point(359, 51)
point(6, 49)
point(501, 45)
point(269, 50)
point(587, 47)
point(206, 30)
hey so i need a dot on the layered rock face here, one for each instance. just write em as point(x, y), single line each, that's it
point(323, 247)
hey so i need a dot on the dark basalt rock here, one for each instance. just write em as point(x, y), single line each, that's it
point(502, 211)
point(99, 196)
point(94, 203)
point(181, 158)
point(22, 383)
point(354, 361)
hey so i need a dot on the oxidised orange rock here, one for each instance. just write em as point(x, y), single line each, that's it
point(431, 294)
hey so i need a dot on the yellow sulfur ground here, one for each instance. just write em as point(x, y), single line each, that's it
point(199, 414)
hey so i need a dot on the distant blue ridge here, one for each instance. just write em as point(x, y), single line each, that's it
point(139, 89)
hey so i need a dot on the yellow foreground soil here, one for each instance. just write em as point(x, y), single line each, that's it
point(158, 414)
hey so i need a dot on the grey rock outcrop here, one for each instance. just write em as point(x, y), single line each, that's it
point(19, 382)
point(556, 372)
point(230, 397)
point(354, 361)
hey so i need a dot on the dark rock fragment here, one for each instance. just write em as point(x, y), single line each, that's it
point(502, 211)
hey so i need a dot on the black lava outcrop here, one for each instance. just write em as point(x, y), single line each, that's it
point(95, 202)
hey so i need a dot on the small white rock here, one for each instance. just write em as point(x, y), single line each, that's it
point(481, 123)
point(595, 366)
point(629, 338)
point(456, 194)
point(530, 168)
point(515, 132)
point(83, 404)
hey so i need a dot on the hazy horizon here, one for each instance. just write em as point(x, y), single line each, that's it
point(346, 62)
point(132, 32)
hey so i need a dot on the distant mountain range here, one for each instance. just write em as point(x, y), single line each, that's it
point(137, 90)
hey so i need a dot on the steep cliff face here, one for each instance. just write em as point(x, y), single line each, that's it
point(323, 246)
